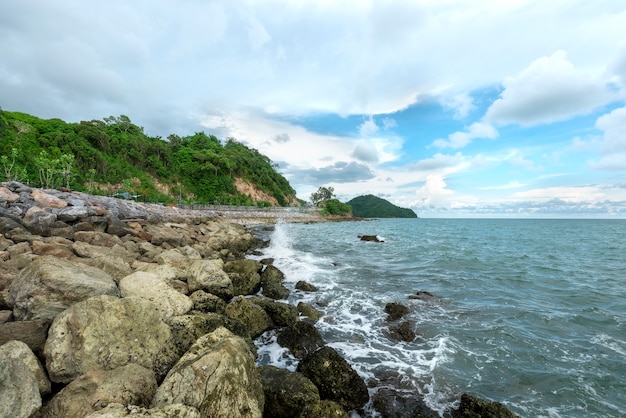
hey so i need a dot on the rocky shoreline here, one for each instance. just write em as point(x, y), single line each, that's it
point(110, 308)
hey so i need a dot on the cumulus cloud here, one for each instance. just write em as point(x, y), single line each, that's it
point(340, 172)
point(366, 152)
point(550, 89)
point(461, 104)
point(461, 139)
point(614, 142)
point(438, 162)
point(434, 193)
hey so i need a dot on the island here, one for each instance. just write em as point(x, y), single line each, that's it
point(370, 206)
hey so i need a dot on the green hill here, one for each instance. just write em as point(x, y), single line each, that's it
point(370, 206)
point(114, 155)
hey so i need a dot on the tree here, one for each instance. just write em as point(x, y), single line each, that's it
point(322, 195)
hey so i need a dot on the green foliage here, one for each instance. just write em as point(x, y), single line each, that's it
point(112, 154)
point(335, 207)
point(370, 206)
point(322, 195)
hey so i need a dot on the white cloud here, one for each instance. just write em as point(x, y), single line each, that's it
point(550, 89)
point(461, 139)
point(434, 193)
point(462, 104)
point(614, 142)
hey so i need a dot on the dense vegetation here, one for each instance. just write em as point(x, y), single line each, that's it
point(370, 206)
point(114, 155)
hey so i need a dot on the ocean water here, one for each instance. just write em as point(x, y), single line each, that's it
point(530, 313)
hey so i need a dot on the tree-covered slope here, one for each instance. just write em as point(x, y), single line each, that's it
point(370, 206)
point(113, 154)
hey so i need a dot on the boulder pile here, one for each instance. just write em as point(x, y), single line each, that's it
point(110, 308)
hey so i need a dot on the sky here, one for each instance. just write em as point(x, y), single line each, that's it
point(454, 108)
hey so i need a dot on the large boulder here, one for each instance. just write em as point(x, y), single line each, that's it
point(391, 403)
point(49, 285)
point(217, 376)
point(207, 302)
point(131, 384)
point(272, 283)
point(395, 311)
point(32, 333)
point(245, 276)
point(301, 338)
point(19, 388)
point(282, 314)
point(156, 290)
point(208, 275)
point(286, 392)
point(103, 333)
point(309, 313)
point(250, 314)
point(116, 410)
point(324, 409)
point(472, 407)
point(335, 378)
point(17, 350)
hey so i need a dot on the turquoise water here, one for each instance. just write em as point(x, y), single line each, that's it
point(530, 313)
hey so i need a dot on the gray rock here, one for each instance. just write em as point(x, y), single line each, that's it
point(335, 378)
point(324, 409)
point(148, 286)
point(49, 285)
point(217, 376)
point(131, 384)
point(103, 333)
point(19, 389)
point(32, 333)
point(116, 410)
point(209, 276)
point(17, 350)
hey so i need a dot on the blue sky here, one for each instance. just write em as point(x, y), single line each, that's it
point(455, 108)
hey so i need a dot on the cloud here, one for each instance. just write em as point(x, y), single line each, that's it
point(282, 138)
point(368, 127)
point(550, 89)
point(365, 152)
point(340, 172)
point(434, 193)
point(614, 142)
point(439, 161)
point(462, 104)
point(461, 139)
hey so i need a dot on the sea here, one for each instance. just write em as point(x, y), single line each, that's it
point(530, 312)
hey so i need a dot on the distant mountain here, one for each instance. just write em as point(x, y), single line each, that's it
point(370, 206)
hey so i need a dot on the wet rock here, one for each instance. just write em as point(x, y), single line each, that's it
point(148, 286)
point(323, 409)
point(131, 384)
point(245, 276)
point(472, 407)
point(103, 333)
point(308, 312)
point(209, 276)
point(272, 283)
point(207, 302)
point(49, 285)
point(335, 378)
point(402, 332)
point(395, 311)
point(286, 392)
point(371, 238)
point(282, 314)
point(422, 295)
point(305, 287)
point(116, 410)
point(217, 376)
point(302, 339)
point(391, 403)
point(250, 314)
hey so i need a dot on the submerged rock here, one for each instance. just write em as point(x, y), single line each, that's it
point(301, 338)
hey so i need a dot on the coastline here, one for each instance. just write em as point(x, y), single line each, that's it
point(181, 279)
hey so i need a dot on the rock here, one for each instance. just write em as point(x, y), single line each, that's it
point(250, 314)
point(302, 339)
point(5, 316)
point(422, 295)
point(372, 238)
point(148, 286)
point(116, 410)
point(271, 281)
point(472, 407)
point(286, 392)
point(72, 213)
point(402, 332)
point(47, 200)
point(17, 350)
point(19, 389)
point(9, 224)
point(308, 312)
point(282, 314)
point(32, 333)
point(7, 195)
point(131, 384)
point(217, 376)
point(103, 333)
point(49, 285)
point(101, 239)
point(165, 234)
point(54, 249)
point(391, 403)
point(186, 329)
point(208, 275)
point(117, 227)
point(395, 311)
point(335, 378)
point(245, 276)
point(207, 302)
point(324, 409)
point(305, 287)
